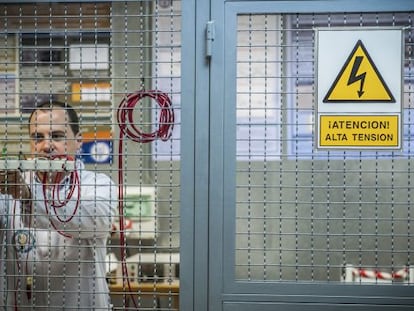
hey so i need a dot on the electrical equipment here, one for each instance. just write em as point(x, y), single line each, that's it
point(43, 165)
point(152, 267)
point(139, 209)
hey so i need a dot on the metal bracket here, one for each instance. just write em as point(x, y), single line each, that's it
point(210, 36)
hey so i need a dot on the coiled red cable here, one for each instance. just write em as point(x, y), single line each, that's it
point(56, 202)
point(125, 117)
point(129, 129)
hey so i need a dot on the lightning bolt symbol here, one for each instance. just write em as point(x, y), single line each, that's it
point(354, 77)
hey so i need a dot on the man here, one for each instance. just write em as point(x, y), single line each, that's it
point(54, 225)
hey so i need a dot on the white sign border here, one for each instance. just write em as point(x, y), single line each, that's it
point(395, 86)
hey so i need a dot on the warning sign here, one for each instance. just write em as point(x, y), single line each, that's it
point(359, 87)
point(359, 131)
point(359, 80)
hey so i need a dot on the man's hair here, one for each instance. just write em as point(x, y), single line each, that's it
point(73, 118)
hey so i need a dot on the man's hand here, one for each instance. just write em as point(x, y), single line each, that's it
point(12, 182)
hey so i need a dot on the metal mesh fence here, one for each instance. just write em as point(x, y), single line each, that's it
point(105, 234)
point(102, 234)
point(306, 214)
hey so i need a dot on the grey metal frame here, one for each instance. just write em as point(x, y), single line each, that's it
point(208, 176)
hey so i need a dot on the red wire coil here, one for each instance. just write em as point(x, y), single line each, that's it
point(125, 117)
point(56, 201)
point(127, 127)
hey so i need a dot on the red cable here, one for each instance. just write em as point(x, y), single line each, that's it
point(125, 118)
point(56, 202)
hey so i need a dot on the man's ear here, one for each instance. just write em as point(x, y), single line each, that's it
point(79, 139)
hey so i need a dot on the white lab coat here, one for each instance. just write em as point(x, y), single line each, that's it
point(67, 273)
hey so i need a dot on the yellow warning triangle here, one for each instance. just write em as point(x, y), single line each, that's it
point(359, 80)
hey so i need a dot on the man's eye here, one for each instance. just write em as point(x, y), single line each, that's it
point(58, 136)
point(37, 137)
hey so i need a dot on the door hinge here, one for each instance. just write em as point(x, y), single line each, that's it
point(210, 36)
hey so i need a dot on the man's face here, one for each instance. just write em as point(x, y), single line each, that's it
point(51, 134)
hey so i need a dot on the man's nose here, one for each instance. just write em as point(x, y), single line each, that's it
point(48, 145)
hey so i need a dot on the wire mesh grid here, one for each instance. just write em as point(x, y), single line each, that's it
point(304, 214)
point(94, 223)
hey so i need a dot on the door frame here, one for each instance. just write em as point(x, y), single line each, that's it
point(208, 176)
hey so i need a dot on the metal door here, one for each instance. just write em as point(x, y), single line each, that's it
point(283, 222)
